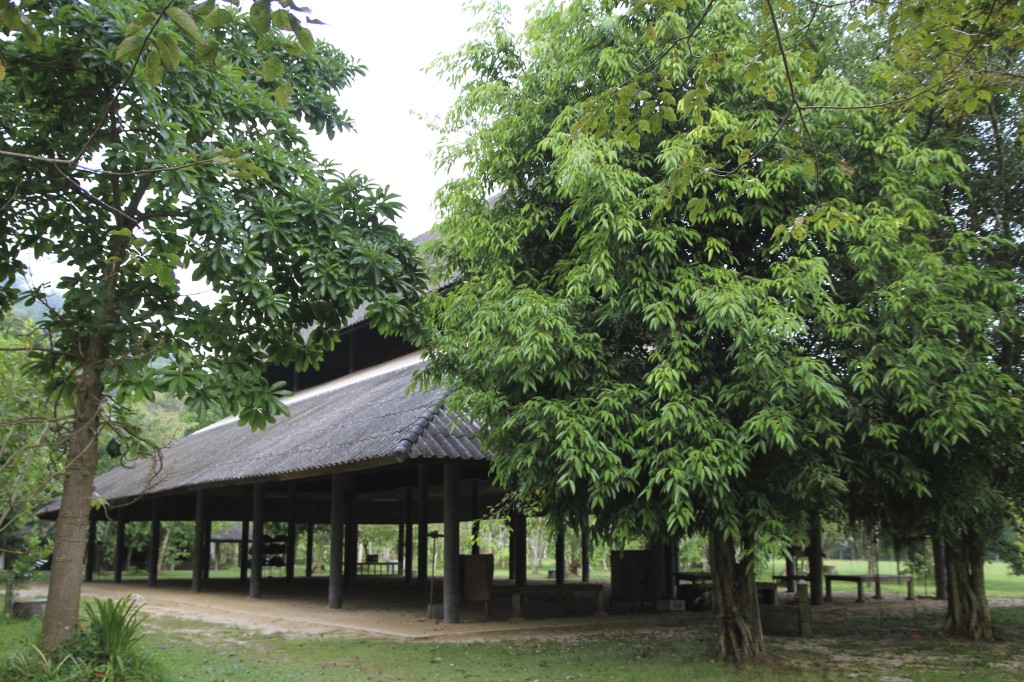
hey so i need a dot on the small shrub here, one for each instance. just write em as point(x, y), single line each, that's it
point(112, 631)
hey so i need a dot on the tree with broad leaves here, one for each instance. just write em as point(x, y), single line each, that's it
point(145, 142)
point(675, 240)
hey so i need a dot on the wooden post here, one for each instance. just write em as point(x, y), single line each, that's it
point(198, 543)
point(351, 532)
point(939, 559)
point(815, 561)
point(512, 546)
point(335, 578)
point(243, 546)
point(452, 583)
point(657, 550)
point(153, 562)
point(119, 547)
point(519, 538)
point(423, 512)
point(400, 503)
point(310, 535)
point(791, 570)
point(585, 548)
point(560, 556)
point(207, 534)
point(476, 517)
point(90, 551)
point(259, 515)
point(289, 565)
point(408, 534)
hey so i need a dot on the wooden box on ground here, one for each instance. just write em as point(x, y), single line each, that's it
point(789, 620)
point(477, 572)
point(633, 577)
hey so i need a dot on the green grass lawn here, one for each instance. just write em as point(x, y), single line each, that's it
point(998, 581)
point(874, 650)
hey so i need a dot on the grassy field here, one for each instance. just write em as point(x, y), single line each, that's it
point(998, 581)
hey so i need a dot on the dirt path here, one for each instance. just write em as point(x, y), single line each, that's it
point(383, 610)
point(398, 614)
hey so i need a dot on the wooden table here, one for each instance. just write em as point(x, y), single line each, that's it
point(876, 578)
point(569, 590)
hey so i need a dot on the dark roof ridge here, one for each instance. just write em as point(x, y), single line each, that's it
point(408, 439)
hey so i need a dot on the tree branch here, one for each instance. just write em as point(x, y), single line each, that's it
point(792, 93)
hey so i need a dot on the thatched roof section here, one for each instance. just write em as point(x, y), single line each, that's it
point(360, 421)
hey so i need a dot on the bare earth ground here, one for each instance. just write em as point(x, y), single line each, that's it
point(376, 607)
point(389, 608)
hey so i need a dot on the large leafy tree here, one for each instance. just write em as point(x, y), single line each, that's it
point(677, 237)
point(150, 141)
point(946, 385)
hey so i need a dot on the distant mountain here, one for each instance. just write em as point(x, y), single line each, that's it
point(37, 310)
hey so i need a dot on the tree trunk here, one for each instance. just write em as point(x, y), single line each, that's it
point(939, 560)
point(161, 561)
point(740, 640)
point(967, 613)
point(61, 618)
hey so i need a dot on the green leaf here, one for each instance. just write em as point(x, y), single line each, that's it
point(143, 22)
point(282, 93)
point(282, 19)
point(305, 39)
point(206, 53)
point(259, 16)
point(217, 18)
point(185, 22)
point(129, 48)
point(170, 55)
point(154, 69)
point(272, 69)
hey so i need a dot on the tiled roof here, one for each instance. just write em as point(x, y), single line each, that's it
point(358, 420)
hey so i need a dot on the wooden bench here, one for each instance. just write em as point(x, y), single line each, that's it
point(377, 567)
point(876, 578)
point(594, 591)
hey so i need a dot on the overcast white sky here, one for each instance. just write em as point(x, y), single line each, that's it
point(394, 102)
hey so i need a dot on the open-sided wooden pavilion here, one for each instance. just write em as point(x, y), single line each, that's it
point(358, 448)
